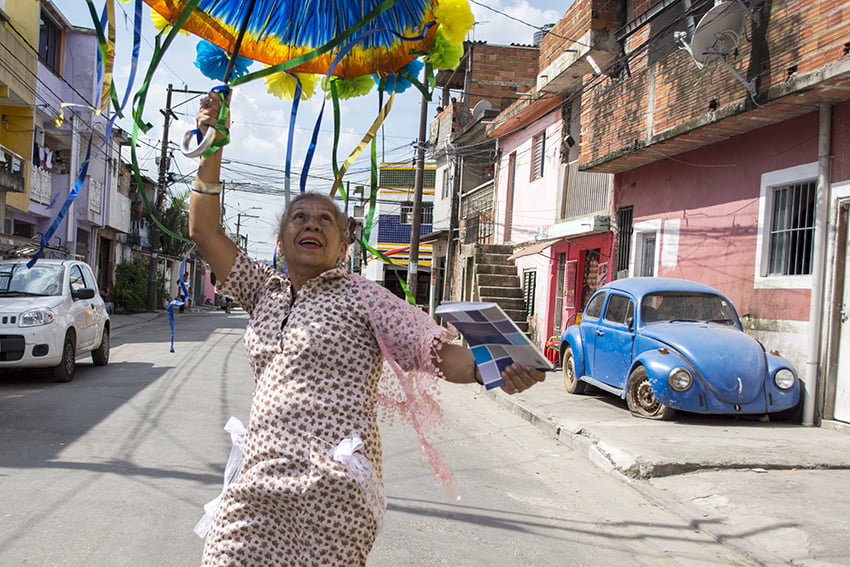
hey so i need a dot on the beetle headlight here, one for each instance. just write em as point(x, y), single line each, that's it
point(36, 317)
point(680, 379)
point(783, 378)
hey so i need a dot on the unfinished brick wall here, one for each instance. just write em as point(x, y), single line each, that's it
point(602, 17)
point(650, 102)
point(499, 71)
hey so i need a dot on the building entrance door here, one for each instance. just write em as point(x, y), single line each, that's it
point(842, 378)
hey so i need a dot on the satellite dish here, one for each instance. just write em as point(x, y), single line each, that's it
point(718, 32)
point(480, 108)
point(717, 35)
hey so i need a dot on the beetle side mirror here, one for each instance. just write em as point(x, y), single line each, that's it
point(83, 293)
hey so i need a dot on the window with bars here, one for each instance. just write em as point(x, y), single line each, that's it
point(625, 229)
point(792, 229)
point(529, 285)
point(426, 214)
point(538, 154)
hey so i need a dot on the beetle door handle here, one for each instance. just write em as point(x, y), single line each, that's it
point(599, 333)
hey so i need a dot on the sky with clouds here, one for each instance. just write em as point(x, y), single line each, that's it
point(260, 121)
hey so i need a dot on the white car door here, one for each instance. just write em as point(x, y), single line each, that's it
point(82, 310)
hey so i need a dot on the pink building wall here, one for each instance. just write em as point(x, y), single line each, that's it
point(714, 194)
point(534, 202)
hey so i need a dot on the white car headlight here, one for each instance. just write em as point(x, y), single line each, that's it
point(680, 379)
point(783, 378)
point(36, 317)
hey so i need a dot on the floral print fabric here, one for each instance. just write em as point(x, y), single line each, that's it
point(318, 364)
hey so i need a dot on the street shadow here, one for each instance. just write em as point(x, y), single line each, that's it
point(558, 528)
point(158, 330)
point(39, 417)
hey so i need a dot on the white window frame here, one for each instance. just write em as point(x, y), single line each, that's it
point(639, 232)
point(538, 140)
point(770, 180)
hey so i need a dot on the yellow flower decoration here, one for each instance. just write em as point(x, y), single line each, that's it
point(455, 19)
point(443, 53)
point(162, 24)
point(282, 84)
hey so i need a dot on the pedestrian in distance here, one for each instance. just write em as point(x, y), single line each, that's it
point(310, 489)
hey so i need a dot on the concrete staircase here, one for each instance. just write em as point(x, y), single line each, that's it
point(496, 281)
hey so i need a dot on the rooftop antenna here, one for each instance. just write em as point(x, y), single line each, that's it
point(717, 35)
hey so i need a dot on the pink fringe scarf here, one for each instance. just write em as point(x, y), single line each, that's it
point(408, 386)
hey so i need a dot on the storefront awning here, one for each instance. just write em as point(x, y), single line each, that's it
point(529, 248)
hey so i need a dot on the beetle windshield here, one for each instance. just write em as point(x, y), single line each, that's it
point(668, 306)
point(17, 279)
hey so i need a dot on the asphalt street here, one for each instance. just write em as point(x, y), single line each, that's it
point(113, 468)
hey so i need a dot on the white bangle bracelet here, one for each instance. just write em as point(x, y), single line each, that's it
point(206, 188)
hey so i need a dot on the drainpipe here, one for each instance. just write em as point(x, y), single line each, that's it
point(818, 265)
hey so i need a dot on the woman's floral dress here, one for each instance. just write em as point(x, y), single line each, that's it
point(310, 489)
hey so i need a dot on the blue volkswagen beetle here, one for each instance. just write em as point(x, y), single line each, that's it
point(667, 344)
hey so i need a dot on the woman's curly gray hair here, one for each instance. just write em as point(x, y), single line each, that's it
point(344, 223)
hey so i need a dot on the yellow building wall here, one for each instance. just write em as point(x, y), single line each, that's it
point(19, 36)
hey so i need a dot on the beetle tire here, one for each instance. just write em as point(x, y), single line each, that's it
point(100, 356)
point(571, 383)
point(64, 371)
point(641, 399)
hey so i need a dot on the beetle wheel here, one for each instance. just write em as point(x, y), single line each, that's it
point(572, 384)
point(641, 399)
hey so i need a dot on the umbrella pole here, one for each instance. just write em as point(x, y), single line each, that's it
point(235, 52)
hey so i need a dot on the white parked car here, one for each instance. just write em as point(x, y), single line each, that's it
point(50, 314)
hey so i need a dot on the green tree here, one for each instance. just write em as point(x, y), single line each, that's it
point(176, 219)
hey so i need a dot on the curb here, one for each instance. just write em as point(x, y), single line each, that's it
point(627, 470)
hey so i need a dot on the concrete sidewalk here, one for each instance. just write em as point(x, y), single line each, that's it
point(780, 493)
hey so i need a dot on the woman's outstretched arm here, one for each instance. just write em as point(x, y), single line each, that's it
point(205, 203)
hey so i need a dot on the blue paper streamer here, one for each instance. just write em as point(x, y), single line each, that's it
point(184, 292)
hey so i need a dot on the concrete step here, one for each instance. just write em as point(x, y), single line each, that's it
point(496, 269)
point(489, 258)
point(495, 249)
point(507, 304)
point(500, 291)
point(498, 280)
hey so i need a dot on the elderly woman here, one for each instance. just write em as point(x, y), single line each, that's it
point(310, 488)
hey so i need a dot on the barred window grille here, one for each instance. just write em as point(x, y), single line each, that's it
point(792, 229)
point(529, 285)
point(538, 151)
point(406, 213)
point(426, 214)
point(625, 218)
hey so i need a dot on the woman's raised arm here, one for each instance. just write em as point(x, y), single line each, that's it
point(205, 203)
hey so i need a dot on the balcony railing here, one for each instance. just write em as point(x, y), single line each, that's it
point(11, 171)
point(41, 186)
point(477, 213)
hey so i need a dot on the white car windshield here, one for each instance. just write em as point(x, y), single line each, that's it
point(669, 306)
point(18, 280)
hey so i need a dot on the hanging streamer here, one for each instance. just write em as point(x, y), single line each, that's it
point(184, 292)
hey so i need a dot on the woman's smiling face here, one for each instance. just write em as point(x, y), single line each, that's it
point(311, 241)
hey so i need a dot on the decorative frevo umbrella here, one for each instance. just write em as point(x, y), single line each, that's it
point(347, 47)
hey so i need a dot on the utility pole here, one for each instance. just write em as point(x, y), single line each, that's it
point(239, 224)
point(416, 221)
point(155, 236)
